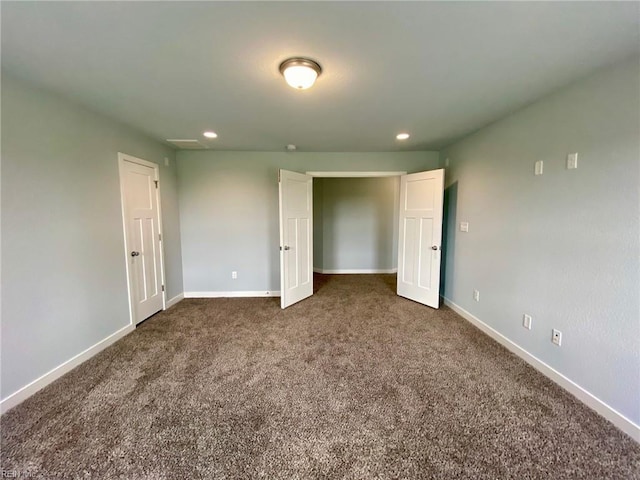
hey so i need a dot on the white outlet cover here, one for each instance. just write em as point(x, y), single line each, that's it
point(476, 295)
point(539, 167)
point(464, 226)
point(527, 321)
point(556, 337)
point(572, 161)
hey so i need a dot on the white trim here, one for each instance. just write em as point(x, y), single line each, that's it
point(163, 277)
point(241, 293)
point(139, 161)
point(123, 157)
point(171, 302)
point(39, 383)
point(355, 271)
point(124, 234)
point(355, 174)
point(590, 400)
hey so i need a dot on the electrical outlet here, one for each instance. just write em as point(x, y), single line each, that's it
point(464, 226)
point(556, 337)
point(526, 321)
point(572, 161)
point(476, 295)
point(539, 167)
point(234, 275)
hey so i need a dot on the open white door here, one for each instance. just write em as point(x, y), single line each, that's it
point(420, 236)
point(139, 188)
point(296, 237)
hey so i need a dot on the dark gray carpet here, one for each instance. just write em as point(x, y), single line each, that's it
point(352, 383)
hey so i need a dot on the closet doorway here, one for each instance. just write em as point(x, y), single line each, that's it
point(419, 207)
point(355, 222)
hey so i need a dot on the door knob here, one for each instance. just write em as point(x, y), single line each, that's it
point(135, 254)
point(287, 247)
point(435, 247)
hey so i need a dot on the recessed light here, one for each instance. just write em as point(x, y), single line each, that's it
point(402, 136)
point(210, 134)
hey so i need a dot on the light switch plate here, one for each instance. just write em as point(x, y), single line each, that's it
point(572, 161)
point(539, 167)
point(464, 226)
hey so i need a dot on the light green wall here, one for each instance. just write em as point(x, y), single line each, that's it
point(229, 210)
point(562, 247)
point(64, 285)
point(356, 225)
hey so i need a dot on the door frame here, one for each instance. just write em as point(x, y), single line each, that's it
point(123, 157)
point(335, 174)
point(354, 174)
point(358, 174)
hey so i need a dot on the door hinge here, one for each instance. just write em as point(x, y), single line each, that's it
point(160, 236)
point(163, 288)
point(279, 171)
point(156, 182)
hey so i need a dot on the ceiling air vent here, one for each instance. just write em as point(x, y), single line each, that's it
point(187, 144)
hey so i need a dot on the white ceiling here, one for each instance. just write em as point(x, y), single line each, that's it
point(437, 70)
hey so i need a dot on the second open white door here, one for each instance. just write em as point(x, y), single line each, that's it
point(420, 236)
point(296, 237)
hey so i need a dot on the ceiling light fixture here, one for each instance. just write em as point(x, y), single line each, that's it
point(210, 134)
point(402, 136)
point(300, 73)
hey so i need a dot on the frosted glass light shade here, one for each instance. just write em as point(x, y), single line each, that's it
point(300, 77)
point(300, 73)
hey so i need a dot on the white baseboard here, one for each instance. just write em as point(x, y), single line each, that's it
point(241, 293)
point(608, 412)
point(28, 390)
point(355, 271)
point(174, 300)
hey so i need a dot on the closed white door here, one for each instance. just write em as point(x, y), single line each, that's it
point(296, 237)
point(420, 236)
point(139, 184)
